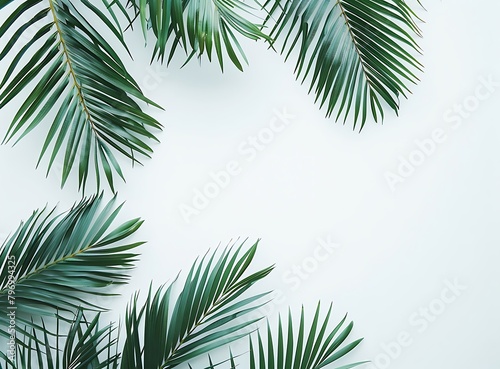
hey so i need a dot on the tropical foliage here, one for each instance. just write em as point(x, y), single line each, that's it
point(298, 348)
point(200, 27)
point(355, 53)
point(84, 345)
point(205, 315)
point(56, 262)
point(68, 67)
point(358, 56)
point(61, 260)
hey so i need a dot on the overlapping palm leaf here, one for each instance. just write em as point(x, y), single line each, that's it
point(55, 263)
point(174, 328)
point(70, 70)
point(84, 346)
point(200, 27)
point(356, 54)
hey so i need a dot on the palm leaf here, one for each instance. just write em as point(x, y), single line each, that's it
point(200, 27)
point(54, 263)
point(68, 68)
point(84, 346)
point(355, 53)
point(170, 329)
point(298, 348)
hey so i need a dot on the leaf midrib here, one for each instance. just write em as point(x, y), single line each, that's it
point(72, 72)
point(48, 266)
point(198, 323)
point(355, 42)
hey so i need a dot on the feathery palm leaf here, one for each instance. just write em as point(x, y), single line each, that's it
point(356, 53)
point(199, 27)
point(206, 314)
point(51, 263)
point(85, 346)
point(71, 70)
point(301, 349)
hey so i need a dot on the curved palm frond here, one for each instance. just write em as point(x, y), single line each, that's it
point(53, 263)
point(84, 346)
point(356, 53)
point(206, 314)
point(301, 349)
point(68, 68)
point(200, 27)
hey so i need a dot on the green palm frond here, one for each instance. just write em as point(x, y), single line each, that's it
point(69, 69)
point(84, 346)
point(209, 312)
point(298, 348)
point(200, 27)
point(54, 263)
point(357, 54)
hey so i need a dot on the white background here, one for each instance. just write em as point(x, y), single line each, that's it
point(319, 180)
